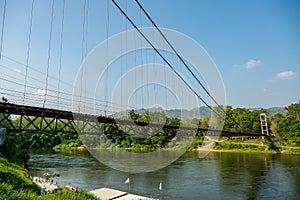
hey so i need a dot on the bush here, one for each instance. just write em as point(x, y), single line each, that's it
point(14, 185)
point(14, 175)
point(197, 142)
point(10, 151)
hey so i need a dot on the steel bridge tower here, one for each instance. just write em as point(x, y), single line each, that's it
point(264, 124)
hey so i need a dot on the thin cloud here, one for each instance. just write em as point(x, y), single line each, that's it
point(285, 75)
point(251, 63)
point(17, 70)
point(40, 92)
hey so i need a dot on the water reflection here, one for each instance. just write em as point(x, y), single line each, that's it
point(136, 162)
point(218, 176)
point(258, 176)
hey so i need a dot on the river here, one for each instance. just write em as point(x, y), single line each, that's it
point(217, 176)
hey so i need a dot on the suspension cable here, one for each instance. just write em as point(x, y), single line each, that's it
point(2, 28)
point(121, 50)
point(86, 48)
point(164, 59)
point(49, 53)
point(63, 92)
point(9, 80)
point(142, 60)
point(82, 51)
point(60, 52)
point(106, 56)
point(34, 69)
point(179, 57)
point(184, 63)
point(126, 56)
point(28, 51)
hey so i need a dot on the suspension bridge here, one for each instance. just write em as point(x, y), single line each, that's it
point(40, 99)
point(28, 115)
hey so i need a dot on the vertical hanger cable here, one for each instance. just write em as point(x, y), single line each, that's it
point(28, 51)
point(49, 54)
point(60, 53)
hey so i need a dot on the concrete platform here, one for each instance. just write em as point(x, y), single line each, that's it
point(112, 194)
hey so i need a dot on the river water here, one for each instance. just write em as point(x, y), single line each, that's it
point(217, 176)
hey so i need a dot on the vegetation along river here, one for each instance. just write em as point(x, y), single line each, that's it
point(218, 176)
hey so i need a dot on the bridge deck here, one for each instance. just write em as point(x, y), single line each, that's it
point(27, 112)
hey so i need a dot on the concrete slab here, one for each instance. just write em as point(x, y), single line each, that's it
point(133, 197)
point(112, 194)
point(107, 193)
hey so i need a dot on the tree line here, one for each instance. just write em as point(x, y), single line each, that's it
point(283, 126)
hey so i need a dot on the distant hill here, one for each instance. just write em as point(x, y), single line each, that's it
point(174, 113)
point(194, 113)
point(273, 110)
point(189, 114)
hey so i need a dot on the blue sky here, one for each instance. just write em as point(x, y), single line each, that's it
point(263, 33)
point(255, 44)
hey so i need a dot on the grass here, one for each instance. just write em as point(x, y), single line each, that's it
point(14, 184)
point(64, 146)
point(250, 145)
point(14, 175)
point(240, 147)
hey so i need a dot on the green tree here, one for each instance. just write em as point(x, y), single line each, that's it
point(9, 149)
point(204, 122)
point(275, 119)
point(4, 100)
point(133, 115)
point(242, 119)
point(288, 126)
point(294, 110)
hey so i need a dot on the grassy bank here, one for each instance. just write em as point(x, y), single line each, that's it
point(249, 145)
point(225, 144)
point(14, 184)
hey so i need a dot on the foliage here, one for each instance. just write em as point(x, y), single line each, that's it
point(238, 146)
point(283, 126)
point(288, 127)
point(16, 141)
point(14, 185)
point(69, 143)
point(197, 142)
point(272, 146)
point(46, 140)
point(204, 122)
point(14, 174)
point(142, 137)
point(242, 120)
point(60, 195)
point(275, 119)
point(10, 151)
point(294, 110)
point(7, 192)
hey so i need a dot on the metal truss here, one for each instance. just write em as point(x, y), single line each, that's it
point(28, 119)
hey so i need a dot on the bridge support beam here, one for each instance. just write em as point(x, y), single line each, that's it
point(28, 119)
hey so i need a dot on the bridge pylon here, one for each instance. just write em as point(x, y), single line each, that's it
point(264, 124)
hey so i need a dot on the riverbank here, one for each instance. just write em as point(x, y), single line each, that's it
point(15, 184)
point(225, 147)
point(253, 145)
point(283, 150)
point(218, 172)
point(253, 151)
point(224, 144)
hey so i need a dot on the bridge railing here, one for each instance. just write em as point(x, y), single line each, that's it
point(28, 119)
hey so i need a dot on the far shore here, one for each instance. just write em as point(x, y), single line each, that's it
point(249, 151)
point(285, 151)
